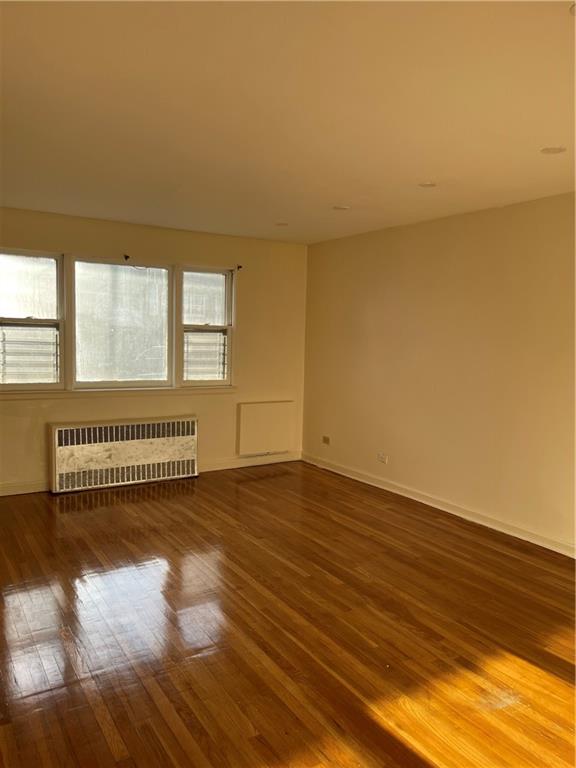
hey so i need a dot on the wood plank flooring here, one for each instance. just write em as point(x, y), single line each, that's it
point(277, 616)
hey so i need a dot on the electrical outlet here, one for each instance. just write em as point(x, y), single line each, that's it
point(325, 439)
point(383, 457)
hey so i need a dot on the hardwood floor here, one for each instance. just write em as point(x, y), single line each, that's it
point(277, 616)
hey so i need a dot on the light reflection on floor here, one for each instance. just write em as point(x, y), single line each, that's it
point(199, 614)
point(36, 659)
point(110, 620)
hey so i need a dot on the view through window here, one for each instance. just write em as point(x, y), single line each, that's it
point(122, 321)
point(29, 320)
point(206, 318)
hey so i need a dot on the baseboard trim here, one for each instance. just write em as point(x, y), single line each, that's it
point(234, 462)
point(446, 506)
point(15, 489)
point(237, 462)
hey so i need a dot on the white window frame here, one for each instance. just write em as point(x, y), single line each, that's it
point(182, 328)
point(66, 324)
point(134, 383)
point(59, 322)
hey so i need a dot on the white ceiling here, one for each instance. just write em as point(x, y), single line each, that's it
point(230, 117)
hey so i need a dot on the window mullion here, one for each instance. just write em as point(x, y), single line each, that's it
point(67, 311)
point(178, 341)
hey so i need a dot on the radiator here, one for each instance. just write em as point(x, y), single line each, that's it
point(123, 452)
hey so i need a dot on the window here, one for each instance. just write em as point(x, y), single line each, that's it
point(29, 320)
point(121, 323)
point(206, 319)
point(126, 325)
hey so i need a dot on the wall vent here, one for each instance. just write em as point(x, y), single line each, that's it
point(122, 453)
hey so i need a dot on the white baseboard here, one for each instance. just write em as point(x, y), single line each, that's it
point(234, 462)
point(446, 506)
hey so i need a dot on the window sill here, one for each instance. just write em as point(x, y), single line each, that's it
point(75, 394)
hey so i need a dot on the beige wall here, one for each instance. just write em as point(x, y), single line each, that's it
point(449, 346)
point(268, 343)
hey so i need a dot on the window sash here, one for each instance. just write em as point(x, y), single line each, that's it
point(57, 322)
point(228, 276)
point(211, 330)
point(30, 353)
point(182, 328)
point(74, 383)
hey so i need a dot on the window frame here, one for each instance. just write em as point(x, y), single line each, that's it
point(59, 323)
point(170, 350)
point(182, 328)
point(66, 324)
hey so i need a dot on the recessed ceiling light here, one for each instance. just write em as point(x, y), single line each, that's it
point(426, 184)
point(340, 207)
point(552, 150)
point(281, 223)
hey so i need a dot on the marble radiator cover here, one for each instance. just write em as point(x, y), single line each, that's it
point(150, 450)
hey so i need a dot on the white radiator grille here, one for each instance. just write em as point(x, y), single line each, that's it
point(110, 433)
point(104, 455)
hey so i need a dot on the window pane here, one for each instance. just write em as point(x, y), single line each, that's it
point(28, 287)
point(205, 355)
point(204, 298)
point(28, 355)
point(121, 323)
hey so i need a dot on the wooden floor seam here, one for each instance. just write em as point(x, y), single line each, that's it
point(277, 616)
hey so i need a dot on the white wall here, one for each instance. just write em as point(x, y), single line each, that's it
point(449, 345)
point(268, 348)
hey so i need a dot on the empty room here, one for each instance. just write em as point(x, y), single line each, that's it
point(287, 384)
